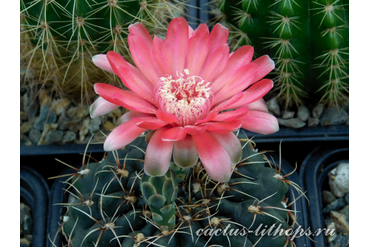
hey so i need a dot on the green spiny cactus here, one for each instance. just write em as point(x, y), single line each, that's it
point(329, 25)
point(307, 39)
point(112, 203)
point(58, 38)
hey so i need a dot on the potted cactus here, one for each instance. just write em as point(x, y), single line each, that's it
point(58, 39)
point(113, 203)
point(307, 39)
point(317, 174)
point(195, 174)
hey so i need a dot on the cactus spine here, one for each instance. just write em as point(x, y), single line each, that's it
point(183, 208)
point(307, 39)
point(58, 38)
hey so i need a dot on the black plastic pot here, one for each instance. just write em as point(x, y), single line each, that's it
point(58, 196)
point(314, 171)
point(34, 191)
point(55, 210)
point(307, 134)
point(319, 133)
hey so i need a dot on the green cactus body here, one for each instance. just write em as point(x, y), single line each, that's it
point(160, 194)
point(289, 43)
point(58, 37)
point(330, 38)
point(112, 203)
point(102, 204)
point(307, 39)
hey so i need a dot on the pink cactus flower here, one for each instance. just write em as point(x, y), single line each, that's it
point(190, 90)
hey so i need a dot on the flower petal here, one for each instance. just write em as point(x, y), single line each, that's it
point(215, 63)
point(239, 58)
point(141, 53)
point(101, 107)
point(208, 118)
point(130, 115)
point(150, 123)
point(258, 105)
point(223, 127)
point(231, 115)
point(265, 66)
point(242, 79)
point(139, 29)
point(218, 37)
point(122, 135)
point(231, 144)
point(158, 155)
point(253, 93)
point(178, 36)
point(131, 76)
point(198, 48)
point(124, 98)
point(195, 130)
point(174, 134)
point(162, 54)
point(106, 91)
point(167, 117)
point(191, 31)
point(184, 152)
point(215, 159)
point(260, 122)
point(225, 103)
point(135, 84)
point(102, 62)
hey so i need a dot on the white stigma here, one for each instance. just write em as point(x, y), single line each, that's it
point(189, 98)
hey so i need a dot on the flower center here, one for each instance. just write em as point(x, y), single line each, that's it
point(189, 98)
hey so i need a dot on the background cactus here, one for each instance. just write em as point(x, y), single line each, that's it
point(58, 38)
point(105, 205)
point(307, 39)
